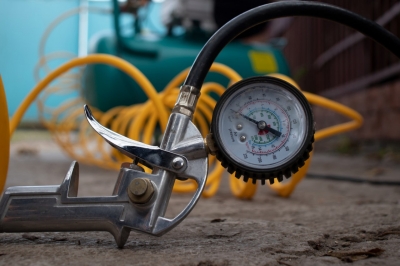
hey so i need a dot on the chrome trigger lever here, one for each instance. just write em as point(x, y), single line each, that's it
point(148, 155)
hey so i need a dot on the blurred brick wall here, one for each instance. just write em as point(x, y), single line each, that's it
point(380, 107)
point(379, 101)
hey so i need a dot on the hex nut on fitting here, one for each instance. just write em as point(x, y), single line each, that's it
point(210, 144)
point(187, 100)
point(140, 190)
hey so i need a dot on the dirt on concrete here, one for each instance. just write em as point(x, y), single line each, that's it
point(324, 222)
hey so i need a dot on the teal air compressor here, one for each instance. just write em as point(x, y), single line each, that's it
point(162, 58)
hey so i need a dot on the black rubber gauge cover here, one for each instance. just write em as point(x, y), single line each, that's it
point(285, 169)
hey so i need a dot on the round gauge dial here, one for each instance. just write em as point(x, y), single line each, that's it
point(262, 128)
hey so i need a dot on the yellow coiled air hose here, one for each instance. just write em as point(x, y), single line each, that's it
point(139, 122)
point(4, 137)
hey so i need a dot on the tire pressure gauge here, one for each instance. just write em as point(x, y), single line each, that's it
point(262, 128)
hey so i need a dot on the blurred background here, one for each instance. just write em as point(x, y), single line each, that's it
point(323, 57)
point(340, 64)
point(23, 24)
point(162, 38)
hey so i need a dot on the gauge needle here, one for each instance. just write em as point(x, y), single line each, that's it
point(262, 125)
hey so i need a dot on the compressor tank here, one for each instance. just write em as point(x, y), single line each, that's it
point(161, 59)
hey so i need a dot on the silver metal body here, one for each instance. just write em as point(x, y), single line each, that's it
point(187, 100)
point(182, 155)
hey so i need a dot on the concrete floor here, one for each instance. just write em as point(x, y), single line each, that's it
point(324, 222)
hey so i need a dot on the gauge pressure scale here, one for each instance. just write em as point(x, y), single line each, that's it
point(262, 128)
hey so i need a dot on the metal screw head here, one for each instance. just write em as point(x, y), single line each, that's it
point(178, 163)
point(243, 138)
point(239, 126)
point(261, 125)
point(140, 190)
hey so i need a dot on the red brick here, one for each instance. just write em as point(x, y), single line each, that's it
point(390, 125)
point(371, 124)
point(355, 101)
point(394, 95)
point(376, 99)
point(380, 108)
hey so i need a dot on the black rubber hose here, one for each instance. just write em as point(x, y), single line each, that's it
point(267, 12)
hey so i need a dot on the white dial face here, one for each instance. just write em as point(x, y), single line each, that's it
point(262, 125)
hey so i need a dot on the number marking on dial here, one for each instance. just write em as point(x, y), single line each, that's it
point(266, 124)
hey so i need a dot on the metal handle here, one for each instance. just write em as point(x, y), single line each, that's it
point(57, 208)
